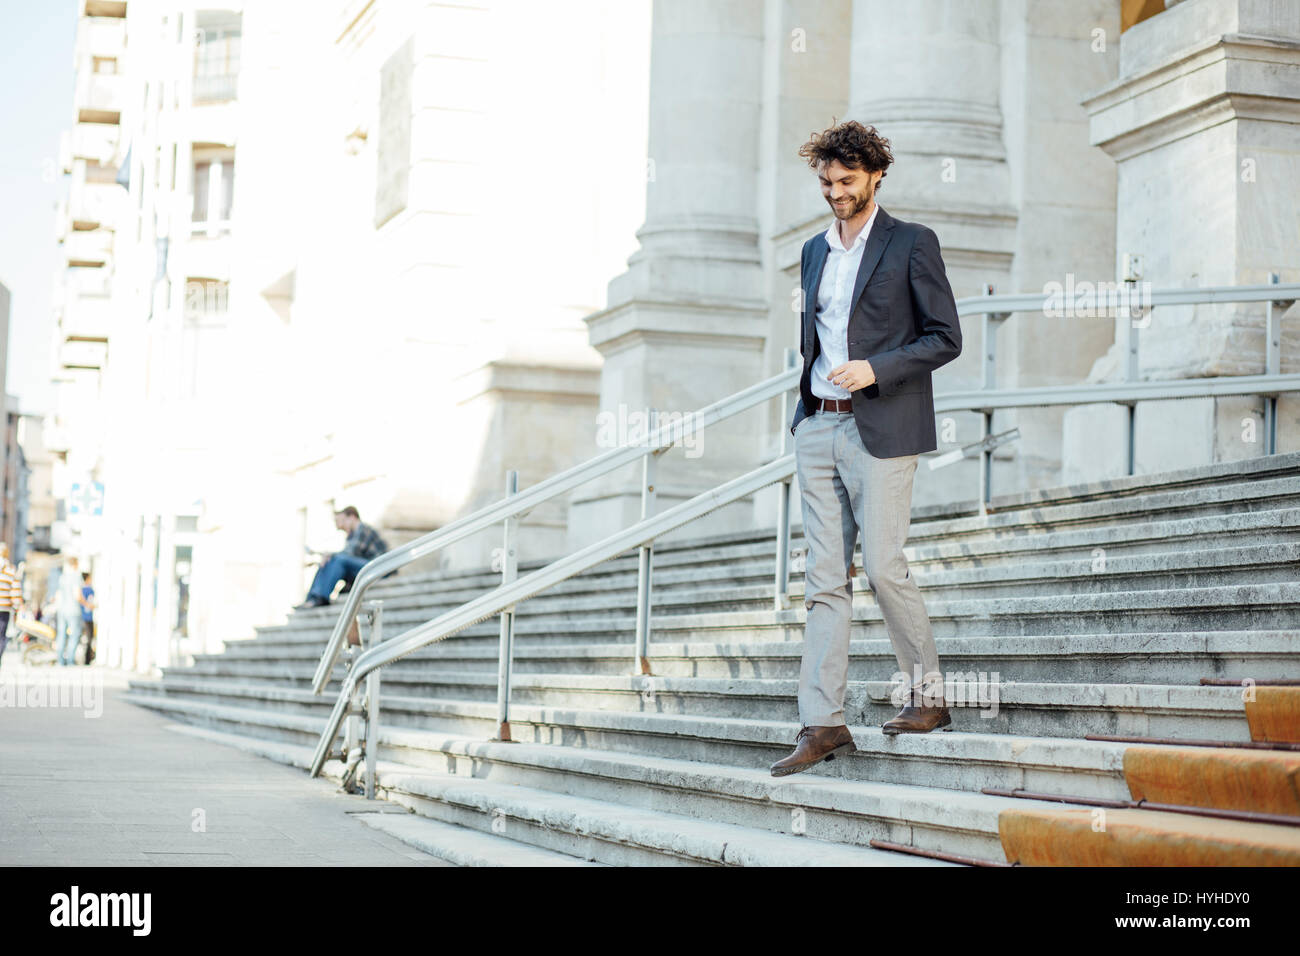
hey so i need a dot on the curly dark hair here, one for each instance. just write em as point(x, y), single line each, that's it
point(854, 145)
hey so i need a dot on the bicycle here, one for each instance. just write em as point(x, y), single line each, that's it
point(37, 639)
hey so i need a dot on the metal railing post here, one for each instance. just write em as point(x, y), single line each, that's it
point(1132, 371)
point(506, 653)
point(375, 637)
point(989, 323)
point(645, 561)
point(353, 741)
point(1273, 310)
point(781, 595)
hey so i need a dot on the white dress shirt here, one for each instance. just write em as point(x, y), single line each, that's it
point(833, 294)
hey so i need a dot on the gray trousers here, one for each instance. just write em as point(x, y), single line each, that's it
point(846, 490)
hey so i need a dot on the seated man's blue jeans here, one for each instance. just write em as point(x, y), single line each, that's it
point(339, 567)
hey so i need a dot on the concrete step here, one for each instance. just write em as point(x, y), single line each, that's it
point(1031, 709)
point(1093, 608)
point(1129, 539)
point(1188, 483)
point(464, 846)
point(1270, 606)
point(616, 834)
point(1255, 486)
point(1072, 556)
point(956, 761)
point(814, 806)
point(1170, 570)
point(565, 828)
point(1164, 657)
point(1097, 573)
point(459, 845)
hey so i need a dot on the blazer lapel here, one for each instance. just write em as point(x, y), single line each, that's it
point(882, 230)
point(820, 251)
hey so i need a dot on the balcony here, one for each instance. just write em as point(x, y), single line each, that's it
point(216, 56)
point(79, 354)
point(215, 88)
point(101, 37)
point(86, 318)
point(104, 8)
point(88, 248)
point(91, 141)
point(91, 205)
point(206, 255)
point(87, 282)
point(58, 438)
point(99, 98)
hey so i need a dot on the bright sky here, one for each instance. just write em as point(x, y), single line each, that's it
point(36, 77)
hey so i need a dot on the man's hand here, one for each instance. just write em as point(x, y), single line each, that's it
point(853, 375)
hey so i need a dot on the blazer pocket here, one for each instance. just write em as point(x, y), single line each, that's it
point(911, 385)
point(884, 276)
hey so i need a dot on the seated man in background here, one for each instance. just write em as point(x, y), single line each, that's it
point(363, 543)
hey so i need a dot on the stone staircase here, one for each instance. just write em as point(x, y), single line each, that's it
point(1085, 610)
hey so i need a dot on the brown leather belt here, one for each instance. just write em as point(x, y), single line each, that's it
point(835, 405)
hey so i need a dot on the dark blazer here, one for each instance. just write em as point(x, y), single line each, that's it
point(903, 321)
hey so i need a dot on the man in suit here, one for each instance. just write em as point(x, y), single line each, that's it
point(878, 318)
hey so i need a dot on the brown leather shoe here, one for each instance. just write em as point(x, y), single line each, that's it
point(813, 745)
point(917, 717)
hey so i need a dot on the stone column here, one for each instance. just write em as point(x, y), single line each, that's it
point(686, 324)
point(806, 82)
point(162, 620)
point(144, 656)
point(1204, 125)
point(928, 75)
point(1064, 191)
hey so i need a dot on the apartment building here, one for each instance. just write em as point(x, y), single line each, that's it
point(300, 273)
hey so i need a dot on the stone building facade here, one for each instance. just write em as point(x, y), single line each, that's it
point(465, 237)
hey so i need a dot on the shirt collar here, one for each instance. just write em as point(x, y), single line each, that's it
point(833, 233)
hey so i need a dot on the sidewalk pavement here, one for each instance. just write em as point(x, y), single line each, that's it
point(87, 779)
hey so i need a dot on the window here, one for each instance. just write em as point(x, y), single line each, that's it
point(217, 37)
point(97, 173)
point(184, 561)
point(227, 189)
point(214, 191)
point(202, 174)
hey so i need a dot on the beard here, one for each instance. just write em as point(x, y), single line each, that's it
point(855, 205)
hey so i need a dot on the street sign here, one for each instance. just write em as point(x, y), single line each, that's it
point(86, 499)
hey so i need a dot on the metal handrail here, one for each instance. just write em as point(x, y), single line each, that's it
point(994, 308)
point(976, 399)
point(520, 504)
point(1202, 295)
point(493, 602)
point(1123, 298)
